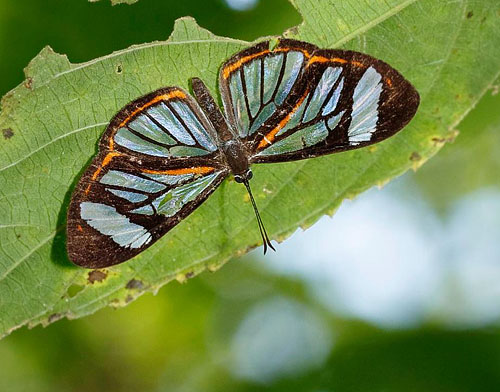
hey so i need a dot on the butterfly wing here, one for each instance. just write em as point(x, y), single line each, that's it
point(339, 100)
point(157, 161)
point(256, 82)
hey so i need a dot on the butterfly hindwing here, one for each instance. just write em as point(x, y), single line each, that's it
point(157, 162)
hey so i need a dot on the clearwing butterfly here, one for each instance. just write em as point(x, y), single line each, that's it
point(163, 154)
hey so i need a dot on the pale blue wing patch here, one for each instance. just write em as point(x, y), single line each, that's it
point(126, 180)
point(251, 73)
point(325, 85)
point(170, 179)
point(132, 197)
point(266, 112)
point(164, 131)
point(127, 139)
point(267, 82)
point(171, 202)
point(332, 103)
point(334, 120)
point(144, 210)
point(298, 140)
point(365, 107)
point(239, 104)
point(184, 151)
point(108, 221)
point(272, 70)
point(194, 125)
point(293, 65)
point(310, 108)
point(163, 115)
point(147, 127)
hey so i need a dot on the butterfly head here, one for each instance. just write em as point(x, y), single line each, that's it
point(245, 177)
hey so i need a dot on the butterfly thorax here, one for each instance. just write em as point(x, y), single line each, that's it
point(233, 149)
point(237, 159)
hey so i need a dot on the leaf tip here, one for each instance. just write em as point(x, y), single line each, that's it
point(186, 28)
point(44, 67)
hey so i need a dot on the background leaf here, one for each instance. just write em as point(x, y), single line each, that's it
point(51, 123)
point(115, 2)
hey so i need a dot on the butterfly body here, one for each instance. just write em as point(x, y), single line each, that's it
point(163, 154)
point(231, 146)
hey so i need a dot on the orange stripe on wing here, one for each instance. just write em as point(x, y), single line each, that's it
point(284, 49)
point(184, 170)
point(268, 139)
point(107, 159)
point(234, 66)
point(104, 163)
point(164, 97)
point(322, 59)
point(229, 69)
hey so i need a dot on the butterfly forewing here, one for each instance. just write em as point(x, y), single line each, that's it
point(255, 83)
point(325, 100)
point(157, 162)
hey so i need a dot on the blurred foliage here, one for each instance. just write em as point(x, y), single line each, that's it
point(469, 162)
point(179, 340)
point(84, 31)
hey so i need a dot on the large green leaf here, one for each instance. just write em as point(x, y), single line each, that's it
point(51, 123)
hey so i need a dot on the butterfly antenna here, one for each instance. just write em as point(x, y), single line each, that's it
point(262, 229)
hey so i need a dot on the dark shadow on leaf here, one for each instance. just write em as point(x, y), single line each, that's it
point(58, 253)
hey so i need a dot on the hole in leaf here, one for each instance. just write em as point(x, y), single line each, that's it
point(74, 289)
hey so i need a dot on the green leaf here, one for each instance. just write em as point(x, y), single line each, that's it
point(52, 122)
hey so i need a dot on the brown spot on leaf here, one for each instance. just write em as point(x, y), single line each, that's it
point(134, 284)
point(470, 14)
point(128, 299)
point(96, 276)
point(28, 83)
point(415, 156)
point(7, 133)
point(447, 139)
point(119, 69)
point(189, 274)
point(54, 317)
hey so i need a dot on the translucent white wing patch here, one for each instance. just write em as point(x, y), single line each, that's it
point(174, 190)
point(106, 220)
point(316, 109)
point(259, 87)
point(172, 129)
point(365, 107)
point(148, 194)
point(318, 114)
point(303, 138)
point(172, 202)
point(323, 98)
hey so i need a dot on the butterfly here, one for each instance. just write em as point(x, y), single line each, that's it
point(165, 153)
